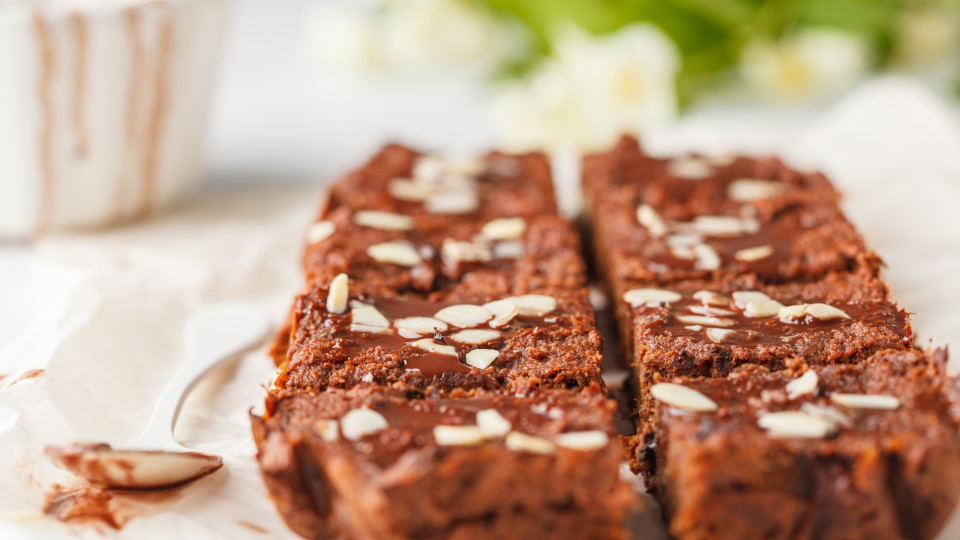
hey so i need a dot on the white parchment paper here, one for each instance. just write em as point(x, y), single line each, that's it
point(108, 309)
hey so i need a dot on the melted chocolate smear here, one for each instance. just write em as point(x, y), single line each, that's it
point(253, 527)
point(101, 507)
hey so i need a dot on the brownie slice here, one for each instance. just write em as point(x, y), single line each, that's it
point(854, 451)
point(395, 252)
point(375, 462)
point(517, 343)
point(404, 181)
point(656, 222)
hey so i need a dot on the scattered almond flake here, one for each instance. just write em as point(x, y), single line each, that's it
point(824, 312)
point(637, 297)
point(409, 190)
point(510, 249)
point(683, 252)
point(694, 327)
point(719, 225)
point(384, 221)
point(707, 310)
point(721, 160)
point(319, 231)
point(369, 329)
point(359, 423)
point(492, 423)
point(367, 378)
point(452, 202)
point(583, 440)
point(752, 189)
point(528, 443)
point(328, 430)
point(740, 298)
point(682, 397)
point(429, 169)
point(706, 321)
point(763, 308)
point(711, 298)
point(368, 315)
point(464, 165)
point(707, 258)
point(421, 326)
point(649, 218)
point(475, 337)
point(683, 240)
point(534, 305)
point(753, 254)
point(718, 335)
point(865, 401)
point(795, 424)
point(504, 228)
point(399, 253)
point(803, 385)
point(689, 168)
point(458, 251)
point(481, 358)
point(792, 313)
point(430, 345)
point(464, 315)
point(827, 412)
point(408, 334)
point(503, 312)
point(458, 435)
point(339, 294)
point(598, 299)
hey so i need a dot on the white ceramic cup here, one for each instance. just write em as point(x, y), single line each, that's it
point(103, 107)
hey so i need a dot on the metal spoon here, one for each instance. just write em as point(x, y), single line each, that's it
point(215, 334)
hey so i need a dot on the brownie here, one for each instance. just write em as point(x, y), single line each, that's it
point(403, 181)
point(474, 256)
point(374, 462)
point(550, 342)
point(868, 451)
point(740, 216)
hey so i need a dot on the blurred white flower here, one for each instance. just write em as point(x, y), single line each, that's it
point(926, 34)
point(410, 35)
point(806, 64)
point(592, 90)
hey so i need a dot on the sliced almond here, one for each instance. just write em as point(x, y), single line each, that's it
point(711, 298)
point(866, 401)
point(689, 168)
point(753, 254)
point(639, 297)
point(649, 218)
point(464, 315)
point(792, 313)
point(752, 189)
point(583, 440)
point(534, 305)
point(741, 298)
point(458, 435)
point(339, 294)
point(368, 329)
point(384, 221)
point(452, 202)
point(694, 327)
point(720, 225)
point(429, 169)
point(721, 160)
point(367, 378)
point(504, 228)
point(475, 337)
point(707, 257)
point(705, 321)
point(826, 412)
point(763, 308)
point(423, 326)
point(795, 424)
point(803, 385)
point(503, 312)
point(528, 443)
point(824, 312)
point(368, 315)
point(718, 335)
point(359, 423)
point(685, 253)
point(481, 358)
point(682, 397)
point(508, 250)
point(683, 240)
point(432, 346)
point(707, 310)
point(492, 423)
point(464, 165)
point(319, 231)
point(399, 253)
point(410, 190)
point(328, 430)
point(458, 251)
